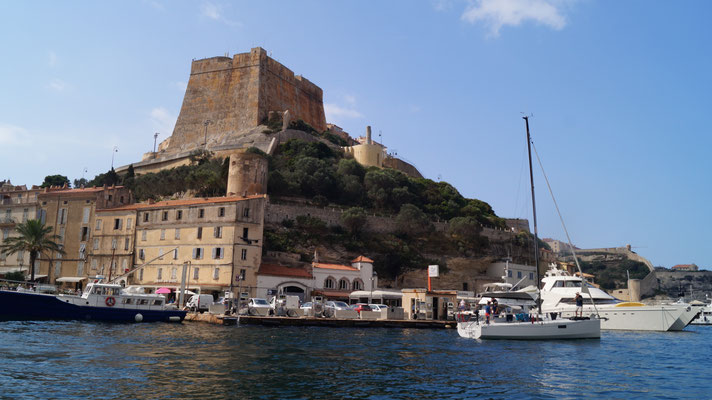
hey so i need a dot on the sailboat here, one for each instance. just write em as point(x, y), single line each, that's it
point(538, 327)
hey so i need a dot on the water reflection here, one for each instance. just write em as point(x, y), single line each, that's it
point(97, 360)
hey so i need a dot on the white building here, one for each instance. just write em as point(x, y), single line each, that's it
point(512, 273)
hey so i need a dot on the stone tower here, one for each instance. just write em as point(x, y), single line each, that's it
point(247, 174)
point(227, 97)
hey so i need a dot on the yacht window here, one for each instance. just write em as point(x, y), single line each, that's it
point(559, 284)
point(573, 283)
point(157, 302)
point(142, 302)
point(126, 300)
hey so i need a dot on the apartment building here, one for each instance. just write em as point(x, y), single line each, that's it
point(111, 251)
point(70, 213)
point(17, 205)
point(219, 238)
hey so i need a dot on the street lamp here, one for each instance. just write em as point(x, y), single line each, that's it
point(155, 137)
point(374, 275)
point(206, 123)
point(114, 151)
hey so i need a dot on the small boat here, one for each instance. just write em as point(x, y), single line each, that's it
point(705, 316)
point(689, 311)
point(98, 302)
point(526, 327)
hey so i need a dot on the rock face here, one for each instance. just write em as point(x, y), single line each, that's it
point(227, 96)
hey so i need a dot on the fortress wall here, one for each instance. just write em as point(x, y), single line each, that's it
point(236, 94)
point(400, 165)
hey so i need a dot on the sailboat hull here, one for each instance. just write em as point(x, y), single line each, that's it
point(541, 330)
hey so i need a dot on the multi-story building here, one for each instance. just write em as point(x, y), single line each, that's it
point(70, 213)
point(111, 249)
point(219, 238)
point(17, 205)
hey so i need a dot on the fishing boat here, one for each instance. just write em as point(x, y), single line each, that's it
point(525, 326)
point(98, 302)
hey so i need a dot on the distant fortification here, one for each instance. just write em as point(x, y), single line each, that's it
point(227, 96)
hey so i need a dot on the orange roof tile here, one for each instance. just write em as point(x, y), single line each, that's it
point(185, 202)
point(281, 270)
point(334, 266)
point(362, 259)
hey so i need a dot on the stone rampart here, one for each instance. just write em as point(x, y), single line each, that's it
point(236, 94)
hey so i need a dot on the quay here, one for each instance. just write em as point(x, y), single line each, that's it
point(311, 321)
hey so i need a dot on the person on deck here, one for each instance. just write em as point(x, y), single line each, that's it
point(488, 310)
point(579, 305)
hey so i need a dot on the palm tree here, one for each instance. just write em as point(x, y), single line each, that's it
point(34, 238)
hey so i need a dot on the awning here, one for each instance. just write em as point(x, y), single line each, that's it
point(38, 277)
point(377, 294)
point(71, 279)
point(7, 270)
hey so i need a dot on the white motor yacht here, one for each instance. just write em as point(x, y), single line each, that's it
point(559, 292)
point(705, 316)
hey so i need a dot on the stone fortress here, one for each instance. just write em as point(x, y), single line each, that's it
point(227, 105)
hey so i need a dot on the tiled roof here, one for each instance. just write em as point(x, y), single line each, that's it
point(281, 270)
point(185, 202)
point(334, 266)
point(678, 266)
point(75, 192)
point(362, 259)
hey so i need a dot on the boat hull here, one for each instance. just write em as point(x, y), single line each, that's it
point(644, 318)
point(689, 313)
point(22, 306)
point(541, 330)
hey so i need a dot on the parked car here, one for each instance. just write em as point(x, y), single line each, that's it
point(362, 307)
point(258, 306)
point(199, 302)
point(336, 305)
point(378, 307)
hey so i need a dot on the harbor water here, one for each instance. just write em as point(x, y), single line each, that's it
point(192, 360)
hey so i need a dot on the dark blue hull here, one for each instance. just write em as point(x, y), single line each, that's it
point(22, 306)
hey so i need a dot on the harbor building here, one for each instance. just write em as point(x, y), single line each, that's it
point(111, 253)
point(17, 205)
point(70, 213)
point(219, 238)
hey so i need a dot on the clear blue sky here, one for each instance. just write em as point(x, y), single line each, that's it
point(620, 93)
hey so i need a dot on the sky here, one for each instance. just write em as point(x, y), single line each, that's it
point(618, 94)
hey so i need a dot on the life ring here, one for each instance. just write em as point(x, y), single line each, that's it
point(110, 301)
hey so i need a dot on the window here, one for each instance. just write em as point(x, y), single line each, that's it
point(509, 273)
point(141, 254)
point(217, 231)
point(98, 224)
point(343, 284)
point(62, 217)
point(174, 273)
point(94, 264)
point(121, 199)
point(175, 254)
point(197, 253)
point(163, 234)
point(245, 231)
point(519, 274)
point(177, 235)
point(125, 265)
point(160, 273)
point(85, 234)
point(113, 243)
point(464, 286)
point(111, 197)
point(80, 268)
point(140, 274)
point(127, 241)
point(531, 276)
point(145, 217)
point(329, 283)
point(24, 214)
point(143, 235)
point(358, 285)
point(61, 234)
point(85, 215)
point(216, 273)
point(218, 253)
point(164, 216)
point(242, 274)
point(128, 223)
point(5, 233)
point(58, 269)
point(201, 213)
point(196, 273)
point(221, 212)
point(243, 256)
point(179, 214)
point(246, 212)
point(200, 232)
point(160, 253)
point(117, 224)
point(96, 244)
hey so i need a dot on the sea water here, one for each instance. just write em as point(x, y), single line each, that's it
point(51, 360)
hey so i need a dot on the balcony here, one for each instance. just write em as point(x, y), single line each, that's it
point(5, 221)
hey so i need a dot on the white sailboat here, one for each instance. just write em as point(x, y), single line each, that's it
point(539, 327)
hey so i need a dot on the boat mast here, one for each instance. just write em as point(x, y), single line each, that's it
point(536, 235)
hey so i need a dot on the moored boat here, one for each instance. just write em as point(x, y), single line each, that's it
point(98, 302)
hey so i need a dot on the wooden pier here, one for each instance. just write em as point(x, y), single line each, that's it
point(325, 322)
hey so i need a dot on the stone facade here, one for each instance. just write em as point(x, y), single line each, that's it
point(111, 249)
point(17, 205)
point(220, 238)
point(236, 94)
point(70, 213)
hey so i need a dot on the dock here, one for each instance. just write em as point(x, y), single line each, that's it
point(324, 322)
